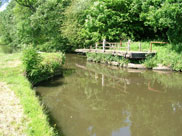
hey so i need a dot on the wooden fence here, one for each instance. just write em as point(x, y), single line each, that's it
point(119, 45)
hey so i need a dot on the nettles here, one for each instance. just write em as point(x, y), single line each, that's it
point(106, 58)
point(42, 66)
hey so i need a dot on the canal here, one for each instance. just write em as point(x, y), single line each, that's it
point(99, 100)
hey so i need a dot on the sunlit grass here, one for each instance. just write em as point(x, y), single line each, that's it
point(13, 75)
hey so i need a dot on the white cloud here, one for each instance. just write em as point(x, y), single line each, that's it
point(3, 7)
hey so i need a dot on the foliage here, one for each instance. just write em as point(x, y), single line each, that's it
point(55, 25)
point(35, 120)
point(46, 22)
point(20, 26)
point(6, 49)
point(27, 3)
point(74, 18)
point(41, 67)
point(170, 58)
point(6, 24)
point(165, 56)
point(164, 16)
point(138, 20)
point(150, 61)
point(106, 58)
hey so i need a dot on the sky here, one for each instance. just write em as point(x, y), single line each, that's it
point(4, 5)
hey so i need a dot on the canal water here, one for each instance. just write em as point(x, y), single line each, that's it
point(99, 100)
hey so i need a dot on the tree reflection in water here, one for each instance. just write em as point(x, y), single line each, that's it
point(97, 100)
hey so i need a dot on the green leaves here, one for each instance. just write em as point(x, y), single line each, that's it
point(27, 3)
point(64, 24)
point(39, 67)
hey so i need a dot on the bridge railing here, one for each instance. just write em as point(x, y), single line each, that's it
point(126, 46)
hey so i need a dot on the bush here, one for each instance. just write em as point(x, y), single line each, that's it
point(150, 61)
point(41, 66)
point(106, 58)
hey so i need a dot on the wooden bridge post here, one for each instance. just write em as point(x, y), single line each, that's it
point(129, 41)
point(150, 46)
point(120, 43)
point(104, 44)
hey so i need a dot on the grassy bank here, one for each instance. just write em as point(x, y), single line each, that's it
point(106, 58)
point(42, 66)
point(11, 72)
point(167, 55)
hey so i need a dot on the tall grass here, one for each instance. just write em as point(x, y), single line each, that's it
point(106, 58)
point(167, 54)
point(40, 67)
point(36, 123)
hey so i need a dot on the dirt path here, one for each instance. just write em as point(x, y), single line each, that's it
point(11, 113)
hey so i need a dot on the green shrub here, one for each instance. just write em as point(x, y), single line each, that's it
point(99, 57)
point(6, 49)
point(169, 57)
point(41, 66)
point(150, 61)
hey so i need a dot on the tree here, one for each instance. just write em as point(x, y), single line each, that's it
point(27, 3)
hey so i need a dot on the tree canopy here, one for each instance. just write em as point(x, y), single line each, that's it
point(64, 24)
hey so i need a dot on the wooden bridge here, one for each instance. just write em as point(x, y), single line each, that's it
point(116, 49)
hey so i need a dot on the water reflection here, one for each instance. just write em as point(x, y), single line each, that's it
point(99, 100)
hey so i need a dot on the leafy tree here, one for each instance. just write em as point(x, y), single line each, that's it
point(74, 18)
point(40, 27)
point(51, 25)
point(7, 21)
point(27, 3)
point(46, 22)
point(166, 16)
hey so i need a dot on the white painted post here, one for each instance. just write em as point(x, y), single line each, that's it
point(104, 44)
point(140, 47)
point(96, 45)
point(129, 41)
point(102, 79)
point(96, 76)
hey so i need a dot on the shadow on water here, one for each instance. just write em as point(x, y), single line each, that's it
point(51, 119)
point(55, 81)
point(98, 100)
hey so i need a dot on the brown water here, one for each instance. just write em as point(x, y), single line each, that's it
point(100, 100)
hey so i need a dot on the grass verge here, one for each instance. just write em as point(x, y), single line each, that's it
point(11, 72)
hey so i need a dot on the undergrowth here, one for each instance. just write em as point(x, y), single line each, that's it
point(36, 123)
point(106, 58)
point(42, 66)
point(167, 57)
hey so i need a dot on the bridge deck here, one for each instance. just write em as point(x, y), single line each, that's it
point(126, 54)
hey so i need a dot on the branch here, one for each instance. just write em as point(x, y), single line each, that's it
point(27, 4)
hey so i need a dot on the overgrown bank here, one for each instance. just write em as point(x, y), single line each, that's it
point(166, 58)
point(11, 72)
point(42, 66)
